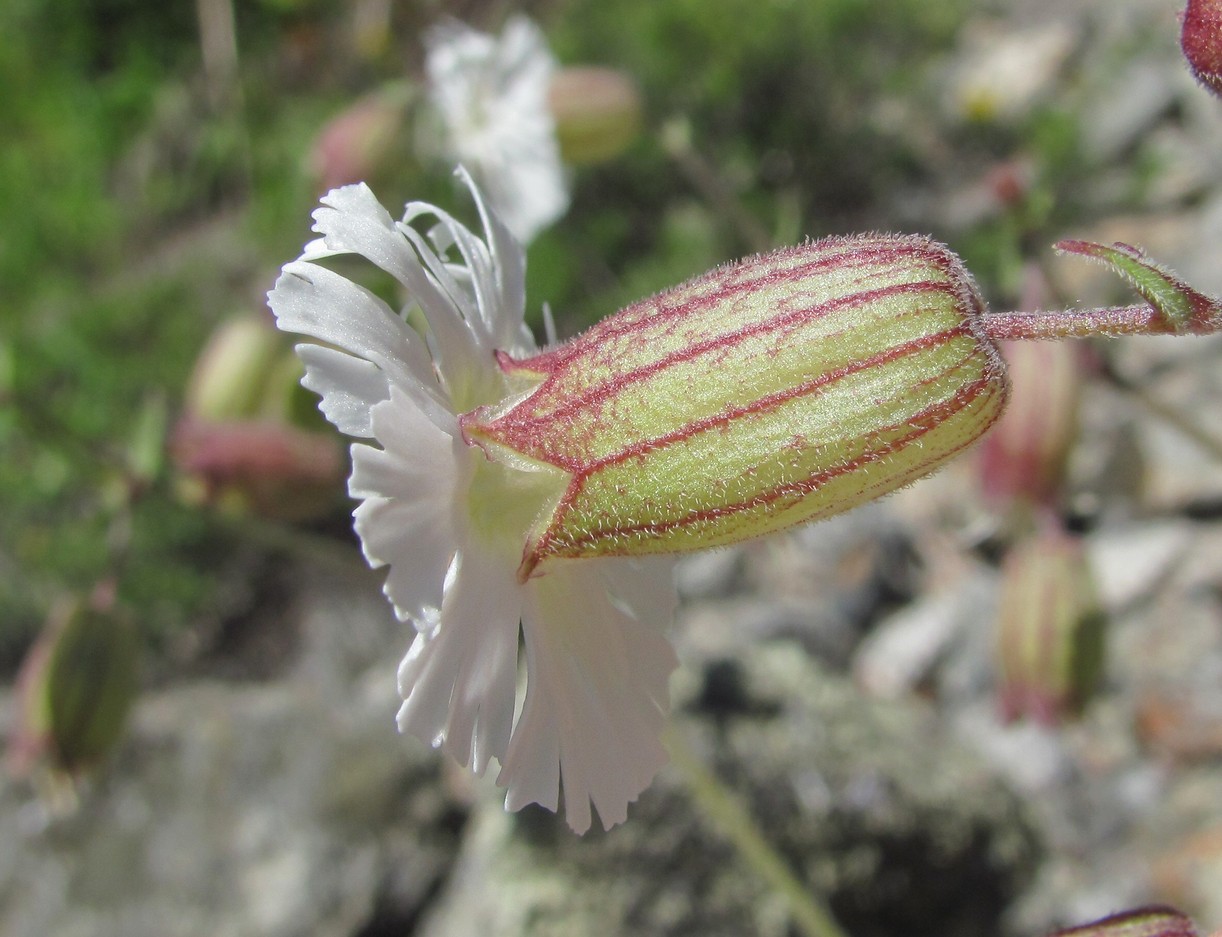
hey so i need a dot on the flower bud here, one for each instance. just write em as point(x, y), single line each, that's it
point(230, 375)
point(247, 441)
point(772, 392)
point(1025, 455)
point(1201, 40)
point(1050, 629)
point(597, 113)
point(77, 687)
point(262, 466)
point(1155, 921)
point(359, 141)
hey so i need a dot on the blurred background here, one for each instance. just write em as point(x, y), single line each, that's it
point(197, 671)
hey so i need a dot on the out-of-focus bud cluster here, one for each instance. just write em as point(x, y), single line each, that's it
point(499, 105)
point(249, 438)
point(1023, 460)
point(75, 690)
point(358, 144)
point(597, 113)
point(1201, 40)
point(1050, 629)
point(1051, 637)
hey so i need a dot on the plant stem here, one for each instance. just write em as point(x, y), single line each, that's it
point(1171, 415)
point(734, 822)
point(704, 177)
point(1141, 319)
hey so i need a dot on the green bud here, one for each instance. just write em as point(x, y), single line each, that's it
point(231, 372)
point(1024, 457)
point(782, 389)
point(265, 467)
point(361, 141)
point(597, 113)
point(1050, 629)
point(87, 683)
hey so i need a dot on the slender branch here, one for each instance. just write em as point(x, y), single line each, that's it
point(676, 140)
point(1171, 415)
point(735, 824)
point(219, 52)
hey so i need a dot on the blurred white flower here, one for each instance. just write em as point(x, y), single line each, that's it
point(492, 97)
point(450, 524)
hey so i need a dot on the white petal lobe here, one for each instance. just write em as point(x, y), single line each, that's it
point(314, 301)
point(597, 665)
point(458, 683)
point(410, 490)
point(492, 96)
point(349, 387)
point(596, 698)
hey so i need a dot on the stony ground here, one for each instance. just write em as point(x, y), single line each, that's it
point(841, 679)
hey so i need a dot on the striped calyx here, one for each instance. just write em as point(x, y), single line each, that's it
point(771, 392)
point(1050, 629)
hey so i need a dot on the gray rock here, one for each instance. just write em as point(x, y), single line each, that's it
point(909, 646)
point(273, 809)
point(1129, 105)
point(902, 830)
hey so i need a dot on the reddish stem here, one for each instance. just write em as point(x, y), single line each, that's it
point(1140, 319)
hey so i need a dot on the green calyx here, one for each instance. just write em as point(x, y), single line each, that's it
point(785, 388)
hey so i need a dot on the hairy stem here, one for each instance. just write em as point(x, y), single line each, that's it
point(1140, 319)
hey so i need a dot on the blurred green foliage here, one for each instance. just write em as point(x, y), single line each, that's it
point(145, 202)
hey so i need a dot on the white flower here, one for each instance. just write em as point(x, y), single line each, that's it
point(492, 97)
point(450, 524)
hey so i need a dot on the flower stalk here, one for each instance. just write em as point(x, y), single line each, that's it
point(1171, 306)
point(732, 819)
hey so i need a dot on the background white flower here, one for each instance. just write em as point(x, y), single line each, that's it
point(451, 525)
point(491, 94)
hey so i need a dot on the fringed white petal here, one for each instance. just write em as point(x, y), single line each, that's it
point(505, 316)
point(410, 491)
point(457, 61)
point(528, 186)
point(458, 681)
point(522, 168)
point(643, 588)
point(353, 220)
point(597, 665)
point(596, 697)
point(349, 387)
point(314, 301)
